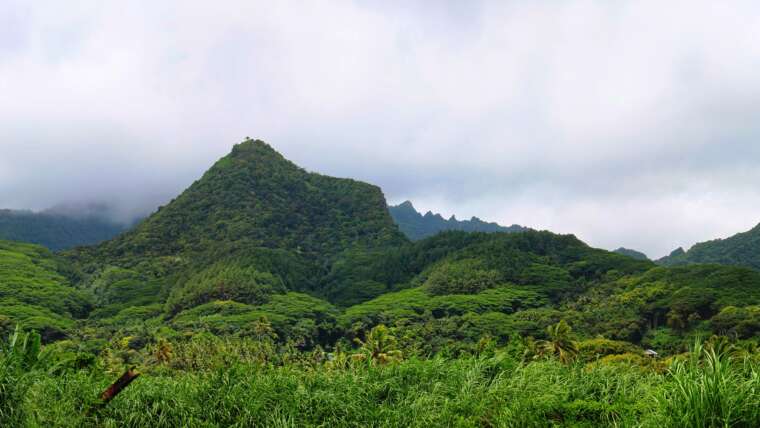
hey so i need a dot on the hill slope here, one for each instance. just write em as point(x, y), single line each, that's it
point(35, 293)
point(417, 226)
point(458, 287)
point(54, 230)
point(742, 249)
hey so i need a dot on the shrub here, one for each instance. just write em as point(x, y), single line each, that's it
point(461, 277)
point(224, 281)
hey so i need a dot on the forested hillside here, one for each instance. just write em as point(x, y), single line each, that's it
point(742, 249)
point(248, 239)
point(36, 292)
point(417, 226)
point(54, 230)
point(60, 229)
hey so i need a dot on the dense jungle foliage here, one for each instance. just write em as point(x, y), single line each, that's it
point(205, 380)
point(35, 292)
point(417, 226)
point(269, 296)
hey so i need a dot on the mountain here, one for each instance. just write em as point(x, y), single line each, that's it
point(631, 253)
point(58, 228)
point(417, 226)
point(319, 258)
point(742, 249)
point(259, 243)
point(255, 198)
point(253, 228)
point(302, 282)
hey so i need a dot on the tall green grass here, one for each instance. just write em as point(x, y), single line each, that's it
point(709, 389)
point(712, 389)
point(423, 393)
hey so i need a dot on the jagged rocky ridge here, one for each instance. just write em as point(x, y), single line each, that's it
point(417, 226)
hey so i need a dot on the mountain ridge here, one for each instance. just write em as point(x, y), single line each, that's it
point(57, 229)
point(417, 226)
point(741, 249)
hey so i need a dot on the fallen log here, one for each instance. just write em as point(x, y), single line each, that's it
point(112, 391)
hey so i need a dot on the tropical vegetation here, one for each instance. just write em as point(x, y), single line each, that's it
point(266, 295)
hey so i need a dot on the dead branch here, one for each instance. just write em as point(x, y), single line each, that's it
point(116, 387)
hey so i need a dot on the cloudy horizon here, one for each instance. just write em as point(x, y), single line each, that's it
point(626, 124)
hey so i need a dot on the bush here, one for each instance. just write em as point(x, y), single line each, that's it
point(461, 277)
point(224, 281)
point(592, 349)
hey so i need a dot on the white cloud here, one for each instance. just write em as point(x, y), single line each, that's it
point(628, 123)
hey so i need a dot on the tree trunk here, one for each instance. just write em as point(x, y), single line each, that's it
point(118, 386)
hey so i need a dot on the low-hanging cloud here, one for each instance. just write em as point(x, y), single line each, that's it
point(627, 123)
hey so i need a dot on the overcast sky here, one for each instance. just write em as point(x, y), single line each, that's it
point(625, 123)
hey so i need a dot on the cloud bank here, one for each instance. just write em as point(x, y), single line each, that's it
point(626, 123)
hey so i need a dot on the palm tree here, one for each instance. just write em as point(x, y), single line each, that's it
point(338, 360)
point(559, 343)
point(379, 346)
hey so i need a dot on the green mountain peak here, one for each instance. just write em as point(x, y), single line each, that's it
point(249, 149)
point(255, 198)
